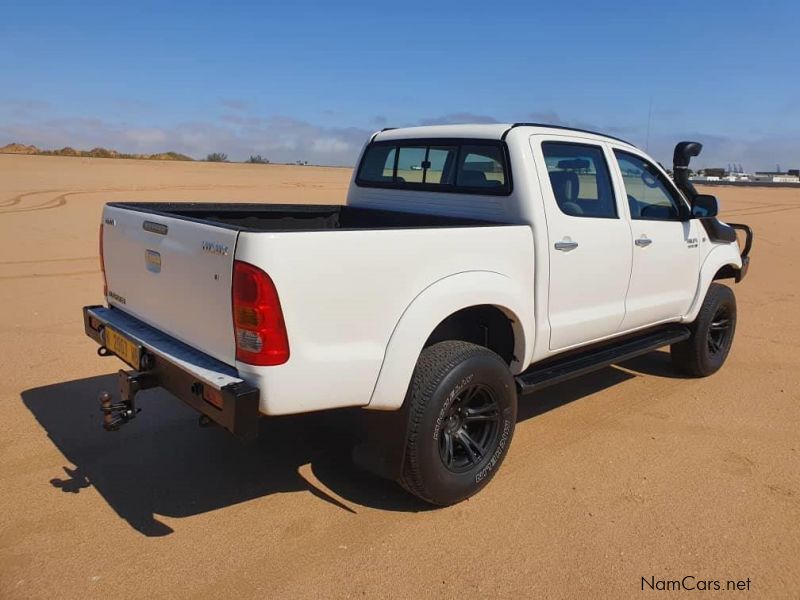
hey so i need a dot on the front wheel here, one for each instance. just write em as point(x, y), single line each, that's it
point(712, 335)
point(462, 411)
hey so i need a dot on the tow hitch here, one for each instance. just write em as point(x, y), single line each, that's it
point(117, 414)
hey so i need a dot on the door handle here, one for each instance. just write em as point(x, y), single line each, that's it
point(565, 246)
point(643, 241)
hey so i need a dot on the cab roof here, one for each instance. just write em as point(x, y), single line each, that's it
point(491, 131)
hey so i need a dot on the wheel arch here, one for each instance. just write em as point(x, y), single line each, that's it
point(486, 325)
point(722, 262)
point(448, 306)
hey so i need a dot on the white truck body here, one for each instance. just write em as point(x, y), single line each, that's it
point(360, 304)
point(470, 266)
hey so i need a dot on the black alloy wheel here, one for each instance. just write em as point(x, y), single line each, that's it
point(706, 350)
point(462, 409)
point(470, 428)
point(719, 331)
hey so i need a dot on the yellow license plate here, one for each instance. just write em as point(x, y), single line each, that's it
point(122, 347)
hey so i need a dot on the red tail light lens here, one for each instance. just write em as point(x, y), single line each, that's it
point(257, 318)
point(103, 263)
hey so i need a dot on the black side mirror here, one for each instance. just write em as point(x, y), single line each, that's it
point(705, 206)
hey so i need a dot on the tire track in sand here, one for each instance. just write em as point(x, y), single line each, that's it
point(56, 202)
point(18, 198)
point(46, 261)
point(61, 199)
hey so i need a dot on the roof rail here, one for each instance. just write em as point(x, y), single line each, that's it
point(505, 133)
point(374, 135)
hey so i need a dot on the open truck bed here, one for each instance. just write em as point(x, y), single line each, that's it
point(345, 277)
point(296, 217)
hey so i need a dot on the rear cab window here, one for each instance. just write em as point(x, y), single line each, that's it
point(456, 166)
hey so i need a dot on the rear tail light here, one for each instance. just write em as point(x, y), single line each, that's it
point(103, 263)
point(257, 318)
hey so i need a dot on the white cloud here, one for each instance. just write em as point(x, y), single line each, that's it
point(146, 136)
point(550, 117)
point(280, 139)
point(331, 145)
point(285, 139)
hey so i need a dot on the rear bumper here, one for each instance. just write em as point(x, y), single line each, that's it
point(192, 376)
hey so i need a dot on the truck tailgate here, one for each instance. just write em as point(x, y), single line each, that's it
point(173, 274)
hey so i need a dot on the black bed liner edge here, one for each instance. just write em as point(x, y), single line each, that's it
point(215, 213)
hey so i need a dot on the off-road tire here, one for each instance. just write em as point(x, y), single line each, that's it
point(712, 335)
point(455, 384)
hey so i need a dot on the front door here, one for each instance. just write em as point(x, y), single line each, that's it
point(665, 244)
point(588, 241)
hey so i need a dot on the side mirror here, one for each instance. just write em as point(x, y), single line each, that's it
point(705, 206)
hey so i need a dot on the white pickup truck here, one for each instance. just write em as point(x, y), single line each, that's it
point(471, 265)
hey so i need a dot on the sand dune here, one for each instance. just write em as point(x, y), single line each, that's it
point(624, 474)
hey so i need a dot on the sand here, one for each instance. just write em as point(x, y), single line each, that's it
point(623, 474)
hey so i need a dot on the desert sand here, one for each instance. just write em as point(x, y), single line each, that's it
point(623, 474)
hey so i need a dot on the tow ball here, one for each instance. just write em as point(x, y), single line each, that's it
point(117, 414)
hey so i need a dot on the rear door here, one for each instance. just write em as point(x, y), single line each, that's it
point(588, 241)
point(666, 255)
point(173, 274)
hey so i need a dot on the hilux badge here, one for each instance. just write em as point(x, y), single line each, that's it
point(215, 248)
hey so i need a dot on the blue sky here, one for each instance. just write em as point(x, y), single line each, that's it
point(309, 81)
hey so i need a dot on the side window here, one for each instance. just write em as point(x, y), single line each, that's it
point(650, 197)
point(378, 164)
point(410, 164)
point(481, 166)
point(580, 180)
point(439, 168)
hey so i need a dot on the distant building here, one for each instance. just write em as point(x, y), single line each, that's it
point(737, 177)
point(737, 174)
point(710, 174)
point(776, 177)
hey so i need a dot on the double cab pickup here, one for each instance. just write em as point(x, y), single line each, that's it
point(471, 266)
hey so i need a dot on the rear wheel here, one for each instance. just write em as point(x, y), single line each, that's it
point(462, 412)
point(712, 335)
